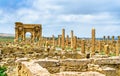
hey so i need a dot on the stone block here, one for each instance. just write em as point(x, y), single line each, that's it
point(109, 71)
point(107, 61)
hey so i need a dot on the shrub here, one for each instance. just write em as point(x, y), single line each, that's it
point(2, 71)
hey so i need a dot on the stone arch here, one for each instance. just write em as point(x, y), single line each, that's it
point(21, 30)
point(28, 35)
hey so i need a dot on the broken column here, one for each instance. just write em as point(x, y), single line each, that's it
point(118, 37)
point(103, 37)
point(33, 36)
point(59, 40)
point(108, 39)
point(100, 47)
point(53, 40)
point(67, 41)
point(112, 38)
point(106, 47)
point(71, 38)
point(93, 41)
point(83, 46)
point(118, 46)
point(63, 39)
point(75, 43)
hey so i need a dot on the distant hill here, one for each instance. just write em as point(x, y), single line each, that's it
point(9, 35)
point(12, 35)
point(6, 35)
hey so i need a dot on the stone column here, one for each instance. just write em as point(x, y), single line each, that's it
point(83, 46)
point(104, 38)
point(67, 41)
point(23, 35)
point(71, 38)
point(108, 39)
point(107, 49)
point(40, 32)
point(53, 40)
point(75, 43)
point(46, 45)
point(93, 41)
point(118, 47)
point(33, 38)
point(118, 37)
point(59, 40)
point(17, 30)
point(63, 39)
point(112, 38)
point(16, 34)
point(100, 46)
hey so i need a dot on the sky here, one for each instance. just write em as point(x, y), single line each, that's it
point(54, 15)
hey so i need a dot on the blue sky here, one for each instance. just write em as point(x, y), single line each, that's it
point(77, 15)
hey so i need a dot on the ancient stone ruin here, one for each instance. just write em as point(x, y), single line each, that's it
point(59, 56)
point(21, 30)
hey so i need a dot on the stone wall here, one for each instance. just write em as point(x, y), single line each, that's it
point(78, 65)
point(31, 69)
point(107, 66)
point(53, 66)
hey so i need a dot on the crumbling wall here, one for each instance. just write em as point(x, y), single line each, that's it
point(77, 65)
point(53, 66)
point(107, 66)
point(31, 69)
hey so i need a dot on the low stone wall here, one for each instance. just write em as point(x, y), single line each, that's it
point(31, 69)
point(53, 66)
point(78, 74)
point(107, 66)
point(110, 66)
point(77, 65)
point(106, 61)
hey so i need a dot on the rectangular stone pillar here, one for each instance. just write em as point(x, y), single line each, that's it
point(75, 43)
point(100, 46)
point(113, 38)
point(104, 38)
point(53, 40)
point(83, 46)
point(108, 39)
point(16, 34)
point(59, 40)
point(33, 36)
point(63, 39)
point(118, 37)
point(67, 41)
point(71, 38)
point(93, 41)
point(118, 47)
point(106, 48)
point(23, 36)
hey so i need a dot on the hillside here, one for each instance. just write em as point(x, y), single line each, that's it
point(6, 35)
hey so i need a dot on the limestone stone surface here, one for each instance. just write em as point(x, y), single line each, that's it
point(110, 60)
point(21, 29)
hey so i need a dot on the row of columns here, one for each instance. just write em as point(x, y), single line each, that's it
point(95, 45)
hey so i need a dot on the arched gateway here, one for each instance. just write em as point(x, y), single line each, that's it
point(21, 30)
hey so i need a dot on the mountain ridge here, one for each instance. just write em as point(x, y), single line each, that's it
point(6, 35)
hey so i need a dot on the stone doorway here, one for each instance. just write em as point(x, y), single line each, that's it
point(28, 36)
point(21, 30)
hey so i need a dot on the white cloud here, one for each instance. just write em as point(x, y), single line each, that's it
point(45, 6)
point(51, 14)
